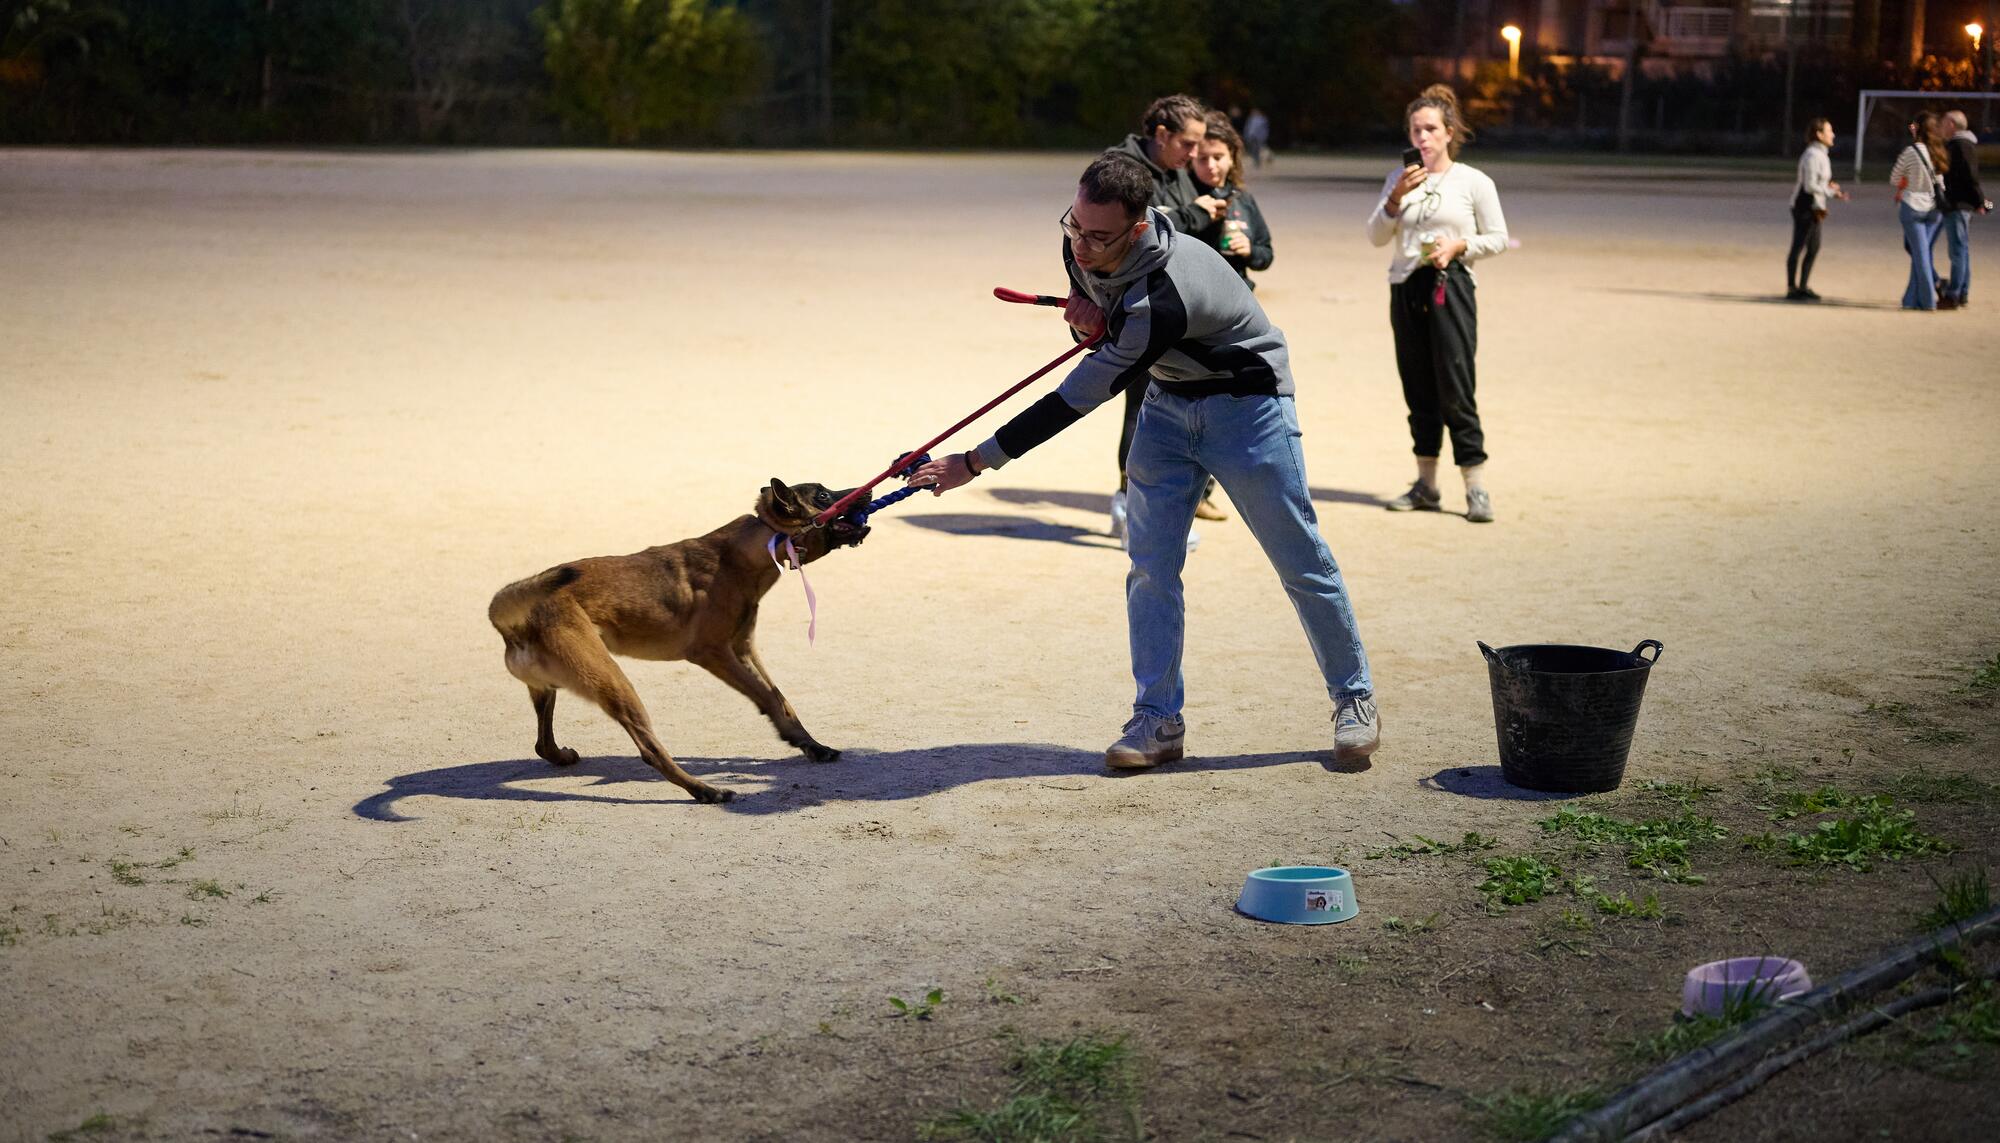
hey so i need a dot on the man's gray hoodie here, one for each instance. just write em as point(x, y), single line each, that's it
point(1176, 315)
point(1173, 191)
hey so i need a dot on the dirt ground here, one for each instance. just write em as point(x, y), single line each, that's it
point(277, 858)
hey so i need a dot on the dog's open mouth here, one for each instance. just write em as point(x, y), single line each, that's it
point(846, 531)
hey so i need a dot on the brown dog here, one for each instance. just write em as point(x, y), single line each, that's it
point(695, 600)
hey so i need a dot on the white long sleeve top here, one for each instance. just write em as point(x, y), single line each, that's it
point(1460, 203)
point(1915, 179)
point(1815, 174)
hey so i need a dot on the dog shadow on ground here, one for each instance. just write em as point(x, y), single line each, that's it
point(1486, 782)
point(1756, 299)
point(786, 785)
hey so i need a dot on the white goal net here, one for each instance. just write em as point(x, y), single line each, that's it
point(1875, 101)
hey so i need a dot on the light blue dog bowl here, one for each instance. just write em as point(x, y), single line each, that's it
point(1298, 895)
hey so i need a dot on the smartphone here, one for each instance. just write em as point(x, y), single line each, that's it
point(1413, 157)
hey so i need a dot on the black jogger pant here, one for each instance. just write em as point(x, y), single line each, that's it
point(1434, 350)
point(1805, 240)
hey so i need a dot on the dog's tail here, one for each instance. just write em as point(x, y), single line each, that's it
point(510, 607)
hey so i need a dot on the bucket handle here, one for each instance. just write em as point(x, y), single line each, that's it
point(1492, 656)
point(1645, 643)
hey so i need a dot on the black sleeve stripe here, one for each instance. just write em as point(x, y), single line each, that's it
point(1169, 317)
point(1035, 424)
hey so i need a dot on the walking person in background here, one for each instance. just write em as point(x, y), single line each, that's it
point(1170, 133)
point(1810, 196)
point(1963, 198)
point(1257, 136)
point(1441, 214)
point(1919, 181)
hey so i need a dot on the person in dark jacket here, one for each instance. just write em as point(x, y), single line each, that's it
point(1170, 133)
point(1963, 198)
point(1240, 234)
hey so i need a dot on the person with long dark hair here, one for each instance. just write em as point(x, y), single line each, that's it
point(1918, 177)
point(1442, 215)
point(1810, 196)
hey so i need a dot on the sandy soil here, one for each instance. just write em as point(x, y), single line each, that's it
point(277, 858)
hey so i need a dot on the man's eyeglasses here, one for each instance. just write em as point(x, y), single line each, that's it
point(1096, 240)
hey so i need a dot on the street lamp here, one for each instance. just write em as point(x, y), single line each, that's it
point(1975, 31)
point(1512, 35)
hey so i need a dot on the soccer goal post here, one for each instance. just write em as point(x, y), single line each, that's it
point(1873, 98)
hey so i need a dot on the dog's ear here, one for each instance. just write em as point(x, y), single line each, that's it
point(782, 497)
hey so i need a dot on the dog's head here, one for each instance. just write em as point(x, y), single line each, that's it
point(790, 509)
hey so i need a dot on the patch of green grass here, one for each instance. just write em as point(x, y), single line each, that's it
point(1646, 908)
point(1898, 713)
point(10, 934)
point(920, 1009)
point(1413, 927)
point(1576, 921)
point(1060, 1093)
point(1940, 736)
point(1976, 1018)
point(1518, 880)
point(1685, 793)
point(96, 1125)
point(1798, 803)
point(1659, 846)
point(1524, 1116)
point(1033, 1118)
point(123, 873)
point(1964, 896)
point(997, 993)
point(1874, 830)
point(192, 921)
point(1950, 789)
point(1686, 1034)
point(1421, 846)
point(1987, 677)
point(1774, 775)
point(206, 888)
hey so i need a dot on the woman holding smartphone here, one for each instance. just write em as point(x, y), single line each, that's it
point(1441, 215)
point(1240, 234)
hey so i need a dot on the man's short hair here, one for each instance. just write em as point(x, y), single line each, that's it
point(1117, 177)
point(1958, 119)
point(1171, 112)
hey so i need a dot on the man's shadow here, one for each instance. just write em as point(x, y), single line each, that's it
point(1099, 503)
point(1754, 299)
point(786, 785)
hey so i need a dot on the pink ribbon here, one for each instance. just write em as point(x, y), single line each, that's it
point(812, 601)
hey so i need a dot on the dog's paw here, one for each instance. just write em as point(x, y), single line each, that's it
point(818, 753)
point(712, 795)
point(559, 756)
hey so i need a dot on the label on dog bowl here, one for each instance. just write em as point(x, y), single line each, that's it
point(1325, 900)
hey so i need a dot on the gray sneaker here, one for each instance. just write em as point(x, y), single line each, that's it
point(1420, 498)
point(1149, 740)
point(1357, 730)
point(1478, 506)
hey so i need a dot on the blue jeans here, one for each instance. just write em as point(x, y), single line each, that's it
point(1250, 445)
point(1919, 238)
point(1958, 242)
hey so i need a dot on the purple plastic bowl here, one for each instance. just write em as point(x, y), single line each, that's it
point(1711, 986)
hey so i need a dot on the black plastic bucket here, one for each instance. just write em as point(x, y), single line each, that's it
point(1565, 714)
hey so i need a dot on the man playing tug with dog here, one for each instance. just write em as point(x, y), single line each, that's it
point(1219, 401)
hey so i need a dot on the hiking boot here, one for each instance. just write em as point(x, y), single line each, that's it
point(1478, 506)
point(1148, 741)
point(1420, 498)
point(1357, 730)
point(1208, 509)
point(1807, 294)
